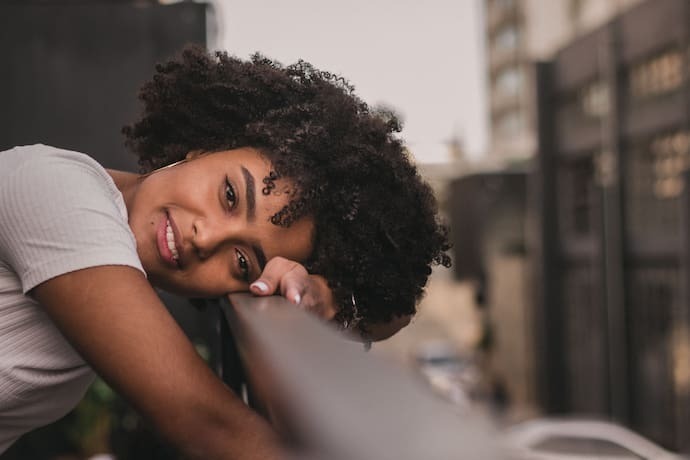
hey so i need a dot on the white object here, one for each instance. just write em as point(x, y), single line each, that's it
point(540, 440)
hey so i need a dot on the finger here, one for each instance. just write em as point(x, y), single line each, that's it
point(314, 299)
point(311, 303)
point(260, 287)
point(270, 279)
point(293, 284)
point(319, 298)
point(293, 294)
point(327, 311)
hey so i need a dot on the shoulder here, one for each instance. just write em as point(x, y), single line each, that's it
point(60, 211)
point(42, 178)
point(34, 161)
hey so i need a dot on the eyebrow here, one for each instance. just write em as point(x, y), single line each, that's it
point(250, 194)
point(251, 213)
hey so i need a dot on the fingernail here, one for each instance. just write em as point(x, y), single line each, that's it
point(261, 286)
point(297, 299)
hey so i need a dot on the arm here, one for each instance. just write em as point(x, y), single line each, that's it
point(115, 320)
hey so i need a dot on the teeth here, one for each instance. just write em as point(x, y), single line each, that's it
point(171, 241)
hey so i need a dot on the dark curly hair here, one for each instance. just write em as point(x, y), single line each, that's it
point(376, 228)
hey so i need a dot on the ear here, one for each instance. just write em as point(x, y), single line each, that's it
point(194, 154)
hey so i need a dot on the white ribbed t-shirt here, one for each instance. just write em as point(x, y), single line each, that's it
point(59, 211)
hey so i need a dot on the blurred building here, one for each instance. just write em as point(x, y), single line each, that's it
point(613, 302)
point(596, 93)
point(439, 175)
point(519, 32)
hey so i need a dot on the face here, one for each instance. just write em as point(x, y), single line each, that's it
point(203, 227)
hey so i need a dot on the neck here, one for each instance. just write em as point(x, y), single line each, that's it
point(127, 183)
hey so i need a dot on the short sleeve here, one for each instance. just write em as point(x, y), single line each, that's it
point(60, 212)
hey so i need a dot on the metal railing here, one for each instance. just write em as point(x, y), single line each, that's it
point(330, 400)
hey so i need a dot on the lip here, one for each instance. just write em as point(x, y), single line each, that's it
point(162, 241)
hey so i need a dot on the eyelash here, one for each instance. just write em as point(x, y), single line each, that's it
point(230, 190)
point(243, 264)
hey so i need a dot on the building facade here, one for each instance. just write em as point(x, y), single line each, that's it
point(611, 173)
point(519, 32)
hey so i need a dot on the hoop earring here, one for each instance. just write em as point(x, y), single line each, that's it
point(184, 160)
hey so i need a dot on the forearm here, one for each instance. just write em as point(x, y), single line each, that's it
point(201, 417)
point(116, 322)
point(228, 431)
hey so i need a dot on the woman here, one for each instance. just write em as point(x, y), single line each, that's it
point(260, 178)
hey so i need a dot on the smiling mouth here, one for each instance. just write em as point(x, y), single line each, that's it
point(170, 238)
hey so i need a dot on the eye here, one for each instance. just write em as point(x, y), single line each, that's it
point(230, 194)
point(243, 264)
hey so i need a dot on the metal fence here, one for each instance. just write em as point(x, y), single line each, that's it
point(613, 116)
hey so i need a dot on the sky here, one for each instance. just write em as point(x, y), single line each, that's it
point(424, 59)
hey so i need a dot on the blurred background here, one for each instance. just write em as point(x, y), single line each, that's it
point(556, 134)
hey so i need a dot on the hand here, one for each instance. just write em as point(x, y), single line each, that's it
point(310, 292)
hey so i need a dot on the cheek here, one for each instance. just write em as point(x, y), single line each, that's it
point(300, 240)
point(190, 288)
point(143, 227)
point(210, 279)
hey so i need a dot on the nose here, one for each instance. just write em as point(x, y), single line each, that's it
point(209, 235)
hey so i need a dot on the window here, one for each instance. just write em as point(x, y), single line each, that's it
point(507, 38)
point(670, 160)
point(575, 10)
point(510, 123)
point(509, 81)
point(660, 74)
point(576, 192)
point(654, 183)
point(594, 99)
point(504, 4)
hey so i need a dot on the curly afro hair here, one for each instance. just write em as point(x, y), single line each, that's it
point(376, 227)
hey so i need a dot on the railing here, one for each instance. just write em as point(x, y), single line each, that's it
point(331, 400)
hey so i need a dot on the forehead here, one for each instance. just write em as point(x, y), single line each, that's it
point(294, 242)
point(248, 156)
point(257, 171)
